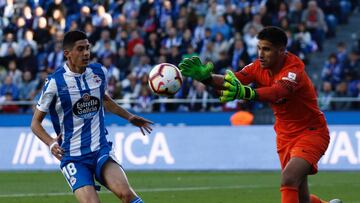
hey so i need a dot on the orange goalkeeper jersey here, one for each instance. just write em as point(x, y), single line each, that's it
point(297, 109)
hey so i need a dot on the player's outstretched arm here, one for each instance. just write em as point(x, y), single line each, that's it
point(111, 106)
point(193, 68)
point(233, 89)
point(40, 132)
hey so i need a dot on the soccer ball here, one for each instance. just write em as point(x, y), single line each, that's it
point(165, 79)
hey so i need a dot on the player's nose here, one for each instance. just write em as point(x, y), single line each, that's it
point(87, 53)
point(260, 54)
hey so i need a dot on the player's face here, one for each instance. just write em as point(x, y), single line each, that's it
point(268, 54)
point(79, 55)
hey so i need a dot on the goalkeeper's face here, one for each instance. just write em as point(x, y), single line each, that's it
point(269, 55)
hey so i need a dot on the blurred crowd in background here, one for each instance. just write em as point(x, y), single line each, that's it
point(130, 37)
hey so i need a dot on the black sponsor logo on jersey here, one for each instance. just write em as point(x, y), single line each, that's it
point(87, 106)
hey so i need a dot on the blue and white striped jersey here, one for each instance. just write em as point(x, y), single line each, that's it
point(75, 104)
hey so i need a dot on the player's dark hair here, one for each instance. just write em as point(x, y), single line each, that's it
point(71, 37)
point(273, 34)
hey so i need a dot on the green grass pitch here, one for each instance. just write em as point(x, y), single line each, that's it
point(181, 187)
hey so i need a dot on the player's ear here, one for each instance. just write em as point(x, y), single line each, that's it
point(66, 53)
point(282, 50)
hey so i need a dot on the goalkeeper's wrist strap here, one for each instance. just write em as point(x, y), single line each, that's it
point(249, 93)
point(52, 145)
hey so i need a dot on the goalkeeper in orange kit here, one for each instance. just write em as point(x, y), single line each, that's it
point(301, 129)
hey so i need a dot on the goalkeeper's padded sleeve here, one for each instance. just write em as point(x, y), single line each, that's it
point(276, 92)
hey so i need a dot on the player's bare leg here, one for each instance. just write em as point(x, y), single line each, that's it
point(291, 178)
point(87, 194)
point(306, 197)
point(304, 194)
point(116, 181)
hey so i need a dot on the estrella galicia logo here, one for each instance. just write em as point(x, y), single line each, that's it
point(87, 106)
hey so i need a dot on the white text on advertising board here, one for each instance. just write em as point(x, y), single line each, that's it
point(342, 148)
point(30, 149)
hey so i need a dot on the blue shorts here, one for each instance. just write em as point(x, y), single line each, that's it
point(80, 171)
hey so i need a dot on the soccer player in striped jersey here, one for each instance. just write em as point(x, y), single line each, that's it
point(75, 97)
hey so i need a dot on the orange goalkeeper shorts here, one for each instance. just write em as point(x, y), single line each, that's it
point(309, 145)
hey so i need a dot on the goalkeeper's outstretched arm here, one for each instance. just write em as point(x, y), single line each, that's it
point(232, 88)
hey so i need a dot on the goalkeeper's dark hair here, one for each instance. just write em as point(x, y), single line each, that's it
point(275, 35)
point(71, 37)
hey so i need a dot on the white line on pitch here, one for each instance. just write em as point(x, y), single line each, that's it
point(142, 190)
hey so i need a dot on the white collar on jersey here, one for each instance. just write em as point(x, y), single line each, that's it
point(70, 73)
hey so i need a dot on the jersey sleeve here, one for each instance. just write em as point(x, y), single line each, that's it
point(292, 76)
point(289, 80)
point(246, 75)
point(47, 95)
point(105, 77)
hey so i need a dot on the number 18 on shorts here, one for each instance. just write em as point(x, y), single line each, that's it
point(77, 175)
